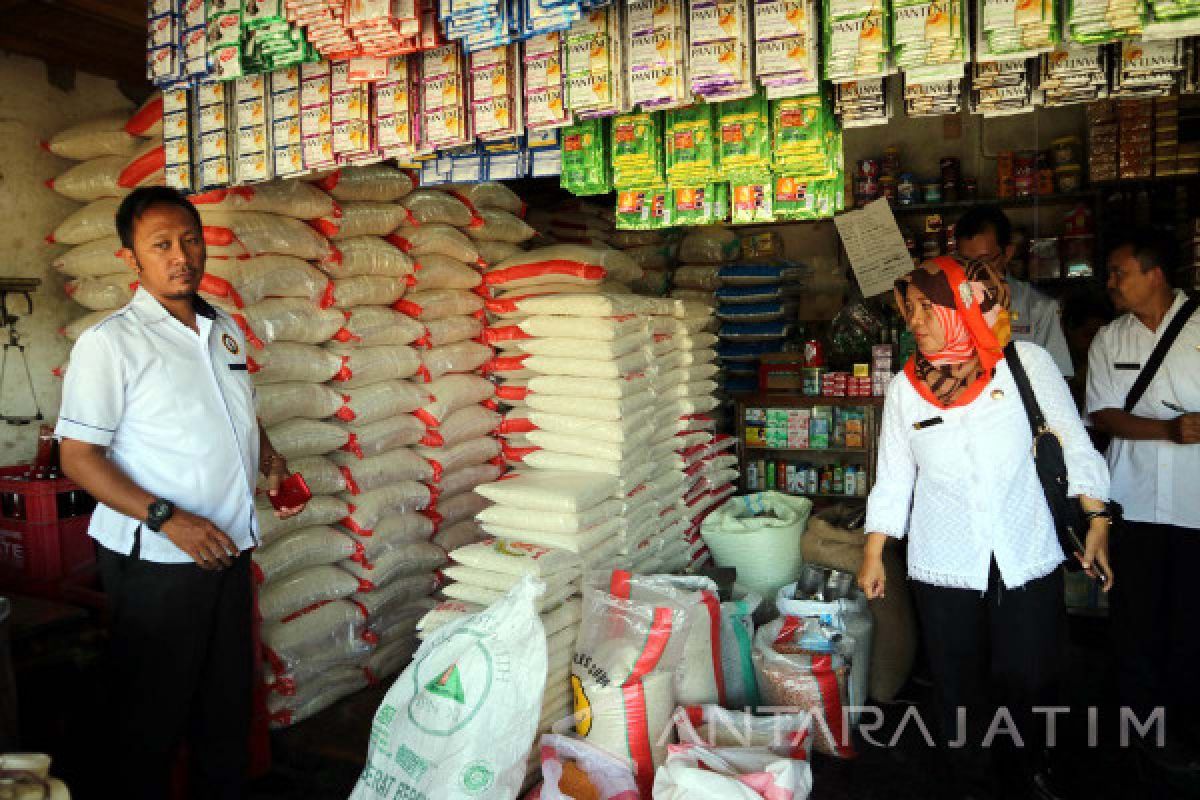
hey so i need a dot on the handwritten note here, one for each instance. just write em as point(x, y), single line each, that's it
point(875, 246)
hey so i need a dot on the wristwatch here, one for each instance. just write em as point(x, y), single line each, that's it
point(158, 513)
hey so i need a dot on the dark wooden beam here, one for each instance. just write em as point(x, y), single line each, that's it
point(89, 44)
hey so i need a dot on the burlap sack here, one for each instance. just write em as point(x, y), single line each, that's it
point(895, 640)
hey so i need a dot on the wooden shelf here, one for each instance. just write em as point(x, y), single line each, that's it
point(750, 450)
point(784, 399)
point(1032, 201)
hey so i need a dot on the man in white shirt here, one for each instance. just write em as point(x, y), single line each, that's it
point(984, 233)
point(1154, 459)
point(157, 423)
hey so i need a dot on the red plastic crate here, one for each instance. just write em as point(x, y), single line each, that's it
point(39, 498)
point(43, 552)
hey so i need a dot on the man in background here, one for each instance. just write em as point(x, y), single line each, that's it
point(984, 233)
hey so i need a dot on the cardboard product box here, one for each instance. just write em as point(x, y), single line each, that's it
point(855, 429)
point(756, 427)
point(798, 423)
point(777, 427)
point(820, 427)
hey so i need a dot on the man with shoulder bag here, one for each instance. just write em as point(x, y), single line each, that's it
point(1143, 390)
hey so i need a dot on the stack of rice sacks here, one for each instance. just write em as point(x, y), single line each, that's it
point(656, 252)
point(116, 153)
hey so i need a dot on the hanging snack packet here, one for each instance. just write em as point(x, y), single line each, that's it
point(753, 198)
point(745, 141)
point(586, 168)
point(644, 209)
point(637, 151)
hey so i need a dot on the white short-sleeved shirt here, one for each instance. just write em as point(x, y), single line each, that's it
point(1037, 318)
point(176, 412)
point(1155, 481)
point(965, 490)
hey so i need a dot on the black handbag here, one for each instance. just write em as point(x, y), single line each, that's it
point(1070, 521)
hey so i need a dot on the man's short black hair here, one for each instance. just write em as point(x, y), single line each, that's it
point(981, 219)
point(1152, 249)
point(139, 200)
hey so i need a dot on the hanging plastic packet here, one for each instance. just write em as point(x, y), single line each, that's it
point(700, 204)
point(643, 209)
point(863, 103)
point(443, 98)
point(595, 77)
point(495, 109)
point(928, 33)
point(691, 146)
point(752, 198)
point(177, 147)
point(720, 49)
point(393, 110)
point(657, 46)
point(637, 150)
point(1012, 29)
point(744, 135)
point(1000, 88)
point(933, 91)
point(544, 106)
point(350, 110)
point(1104, 21)
point(252, 160)
point(787, 36)
point(857, 40)
point(225, 40)
point(586, 168)
point(316, 122)
point(210, 137)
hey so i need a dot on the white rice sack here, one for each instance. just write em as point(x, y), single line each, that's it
point(430, 239)
point(390, 656)
point(369, 255)
point(103, 293)
point(369, 508)
point(255, 233)
point(501, 226)
point(563, 263)
point(567, 492)
point(430, 206)
point(603, 409)
point(376, 183)
point(376, 326)
point(487, 597)
point(500, 581)
point(303, 588)
point(96, 220)
point(283, 362)
point(297, 438)
point(320, 473)
point(467, 423)
point(495, 252)
point(546, 459)
point(551, 521)
point(320, 510)
point(440, 303)
point(444, 613)
point(374, 472)
point(603, 328)
point(279, 402)
point(103, 136)
point(393, 530)
point(92, 180)
point(516, 558)
point(437, 362)
point(575, 386)
point(407, 589)
point(445, 460)
point(286, 198)
point(590, 448)
point(398, 619)
point(93, 259)
point(459, 535)
point(376, 438)
point(363, 366)
point(324, 636)
point(379, 401)
point(290, 319)
point(584, 348)
point(451, 393)
point(310, 547)
point(361, 219)
point(367, 290)
point(436, 271)
point(580, 544)
point(248, 281)
point(490, 194)
point(449, 330)
point(628, 364)
point(401, 561)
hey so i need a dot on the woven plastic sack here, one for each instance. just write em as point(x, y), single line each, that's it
point(376, 438)
point(495, 252)
point(563, 327)
point(374, 472)
point(363, 366)
point(583, 348)
point(445, 460)
point(320, 473)
point(146, 167)
point(303, 588)
point(256, 233)
point(458, 357)
point(311, 547)
point(553, 492)
point(393, 530)
point(698, 772)
point(759, 535)
point(435, 239)
point(706, 277)
point(451, 393)
point(489, 194)
point(297, 438)
point(286, 198)
point(367, 290)
point(91, 180)
point(288, 319)
point(368, 255)
point(361, 219)
point(459, 535)
point(282, 362)
point(552, 521)
point(563, 263)
point(400, 561)
point(379, 401)
point(103, 136)
point(430, 207)
point(316, 640)
point(786, 735)
point(279, 402)
point(439, 303)
point(103, 293)
point(320, 510)
point(376, 183)
point(478, 595)
point(99, 257)
point(313, 697)
point(501, 226)
point(470, 724)
point(147, 120)
point(467, 423)
point(449, 330)
point(389, 657)
point(96, 220)
point(377, 326)
point(369, 508)
point(252, 280)
point(436, 271)
point(709, 245)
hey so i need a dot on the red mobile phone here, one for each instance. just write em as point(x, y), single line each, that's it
point(293, 493)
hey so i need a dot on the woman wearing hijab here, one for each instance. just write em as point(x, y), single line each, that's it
point(956, 476)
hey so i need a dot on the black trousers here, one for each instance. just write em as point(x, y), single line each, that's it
point(181, 670)
point(1155, 611)
point(999, 649)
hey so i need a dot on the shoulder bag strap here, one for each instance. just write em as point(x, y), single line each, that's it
point(1159, 353)
point(1037, 420)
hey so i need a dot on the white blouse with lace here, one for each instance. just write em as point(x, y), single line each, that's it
point(965, 490)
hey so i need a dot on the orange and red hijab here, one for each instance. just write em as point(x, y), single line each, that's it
point(970, 300)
